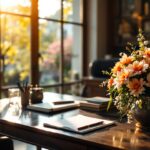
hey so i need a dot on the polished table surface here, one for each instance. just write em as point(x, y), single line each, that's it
point(28, 126)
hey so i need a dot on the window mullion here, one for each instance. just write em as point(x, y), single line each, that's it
point(85, 52)
point(1, 77)
point(62, 49)
point(34, 43)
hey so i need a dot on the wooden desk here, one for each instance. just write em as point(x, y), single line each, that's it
point(27, 126)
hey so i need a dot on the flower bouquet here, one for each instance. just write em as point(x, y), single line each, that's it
point(129, 82)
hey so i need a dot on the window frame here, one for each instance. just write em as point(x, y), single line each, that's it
point(34, 65)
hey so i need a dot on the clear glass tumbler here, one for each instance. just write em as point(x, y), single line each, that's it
point(14, 98)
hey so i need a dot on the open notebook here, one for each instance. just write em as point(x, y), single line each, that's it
point(78, 123)
point(54, 106)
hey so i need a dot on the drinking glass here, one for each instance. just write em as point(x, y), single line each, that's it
point(14, 98)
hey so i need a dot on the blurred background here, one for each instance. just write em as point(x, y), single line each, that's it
point(52, 42)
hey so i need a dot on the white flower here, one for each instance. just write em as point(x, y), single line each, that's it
point(146, 43)
point(117, 83)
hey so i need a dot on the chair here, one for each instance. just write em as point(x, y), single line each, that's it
point(92, 83)
point(100, 65)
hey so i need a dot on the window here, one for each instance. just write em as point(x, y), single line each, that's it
point(41, 41)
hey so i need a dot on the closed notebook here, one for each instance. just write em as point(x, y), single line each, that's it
point(92, 106)
point(54, 106)
point(95, 104)
point(78, 123)
point(98, 100)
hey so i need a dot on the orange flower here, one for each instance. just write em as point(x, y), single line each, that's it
point(137, 67)
point(136, 86)
point(123, 77)
point(125, 60)
point(147, 56)
point(117, 68)
point(110, 82)
point(147, 53)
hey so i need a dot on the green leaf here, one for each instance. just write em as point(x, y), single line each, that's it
point(109, 103)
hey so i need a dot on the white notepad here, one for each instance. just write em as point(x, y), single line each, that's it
point(78, 123)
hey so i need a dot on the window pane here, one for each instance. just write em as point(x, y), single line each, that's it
point(49, 33)
point(52, 89)
point(49, 9)
point(72, 52)
point(15, 46)
point(74, 89)
point(73, 10)
point(16, 6)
